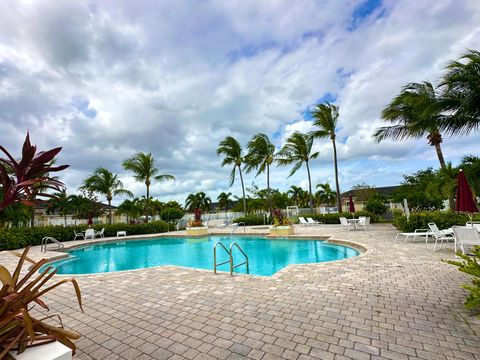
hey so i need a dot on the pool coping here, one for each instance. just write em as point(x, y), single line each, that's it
point(361, 248)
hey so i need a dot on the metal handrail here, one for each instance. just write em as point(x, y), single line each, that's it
point(236, 227)
point(231, 258)
point(215, 256)
point(46, 239)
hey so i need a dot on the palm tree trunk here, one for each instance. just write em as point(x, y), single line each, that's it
point(268, 191)
point(243, 191)
point(309, 187)
point(109, 211)
point(439, 151)
point(65, 218)
point(335, 162)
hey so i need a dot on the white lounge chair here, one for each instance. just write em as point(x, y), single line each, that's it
point(345, 224)
point(418, 232)
point(465, 236)
point(78, 235)
point(440, 235)
point(100, 233)
point(313, 222)
point(89, 234)
point(303, 221)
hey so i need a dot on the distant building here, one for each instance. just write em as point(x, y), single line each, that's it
point(360, 204)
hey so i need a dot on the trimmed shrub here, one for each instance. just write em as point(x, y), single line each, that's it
point(16, 238)
point(171, 215)
point(420, 220)
point(376, 206)
point(335, 218)
point(250, 220)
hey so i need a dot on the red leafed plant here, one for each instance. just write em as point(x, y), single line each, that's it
point(19, 177)
point(19, 329)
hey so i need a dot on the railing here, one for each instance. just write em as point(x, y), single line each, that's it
point(45, 241)
point(230, 257)
point(237, 226)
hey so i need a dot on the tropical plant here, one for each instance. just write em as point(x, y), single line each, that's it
point(232, 155)
point(325, 119)
point(279, 219)
point(261, 154)
point(196, 201)
point(131, 208)
point(376, 206)
point(325, 194)
point(298, 151)
point(298, 196)
point(417, 111)
point(471, 166)
point(462, 92)
point(171, 215)
point(224, 201)
point(19, 329)
point(105, 183)
point(60, 202)
point(142, 166)
point(27, 173)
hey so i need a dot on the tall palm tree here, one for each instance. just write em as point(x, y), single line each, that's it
point(199, 200)
point(298, 151)
point(261, 154)
point(296, 195)
point(462, 85)
point(232, 155)
point(416, 112)
point(142, 166)
point(105, 183)
point(224, 200)
point(61, 202)
point(325, 193)
point(326, 118)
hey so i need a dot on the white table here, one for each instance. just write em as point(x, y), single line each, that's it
point(353, 222)
point(121, 233)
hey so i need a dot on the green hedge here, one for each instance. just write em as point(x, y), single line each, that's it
point(335, 218)
point(16, 238)
point(250, 220)
point(420, 220)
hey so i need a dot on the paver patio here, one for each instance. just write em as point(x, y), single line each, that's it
point(398, 301)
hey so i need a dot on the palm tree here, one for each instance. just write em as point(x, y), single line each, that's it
point(232, 152)
point(61, 202)
point(261, 154)
point(131, 208)
point(296, 195)
point(417, 111)
point(297, 151)
point(325, 193)
point(199, 200)
point(326, 117)
point(105, 183)
point(224, 200)
point(142, 166)
point(462, 93)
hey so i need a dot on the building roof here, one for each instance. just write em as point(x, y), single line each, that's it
point(382, 190)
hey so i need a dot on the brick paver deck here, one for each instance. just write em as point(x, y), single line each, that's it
point(398, 301)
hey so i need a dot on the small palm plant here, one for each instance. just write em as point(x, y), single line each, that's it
point(19, 329)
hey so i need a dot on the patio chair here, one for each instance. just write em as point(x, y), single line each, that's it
point(474, 225)
point(345, 224)
point(100, 233)
point(313, 222)
point(417, 232)
point(303, 221)
point(465, 236)
point(89, 234)
point(364, 221)
point(78, 235)
point(440, 235)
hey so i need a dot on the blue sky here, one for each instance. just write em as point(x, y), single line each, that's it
point(174, 80)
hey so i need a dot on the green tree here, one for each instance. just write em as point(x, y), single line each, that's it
point(471, 166)
point(131, 208)
point(325, 194)
point(105, 183)
point(462, 84)
point(232, 155)
point(199, 200)
point(298, 151)
point(142, 166)
point(261, 154)
point(61, 202)
point(297, 196)
point(416, 112)
point(325, 119)
point(224, 200)
point(364, 192)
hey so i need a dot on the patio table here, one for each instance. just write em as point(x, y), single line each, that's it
point(353, 222)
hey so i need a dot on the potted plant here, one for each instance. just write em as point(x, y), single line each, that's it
point(20, 331)
point(281, 225)
point(196, 227)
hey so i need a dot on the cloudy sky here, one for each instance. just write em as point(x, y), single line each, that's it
point(106, 79)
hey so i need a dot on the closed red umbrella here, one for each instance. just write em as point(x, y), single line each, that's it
point(351, 205)
point(90, 220)
point(465, 202)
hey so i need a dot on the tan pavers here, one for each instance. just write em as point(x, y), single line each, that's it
point(397, 301)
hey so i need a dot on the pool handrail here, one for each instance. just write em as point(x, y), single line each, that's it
point(231, 258)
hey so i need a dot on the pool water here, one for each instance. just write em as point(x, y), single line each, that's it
point(266, 256)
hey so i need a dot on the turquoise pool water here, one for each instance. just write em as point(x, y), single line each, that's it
point(266, 256)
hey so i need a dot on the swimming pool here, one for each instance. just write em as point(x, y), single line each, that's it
point(266, 256)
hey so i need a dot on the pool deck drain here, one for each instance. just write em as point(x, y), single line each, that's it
point(397, 301)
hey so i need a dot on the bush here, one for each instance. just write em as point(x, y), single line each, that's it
point(171, 215)
point(250, 220)
point(420, 220)
point(376, 206)
point(16, 238)
point(335, 218)
point(470, 265)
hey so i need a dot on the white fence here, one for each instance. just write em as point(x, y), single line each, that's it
point(212, 219)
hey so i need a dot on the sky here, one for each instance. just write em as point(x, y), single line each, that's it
point(107, 79)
